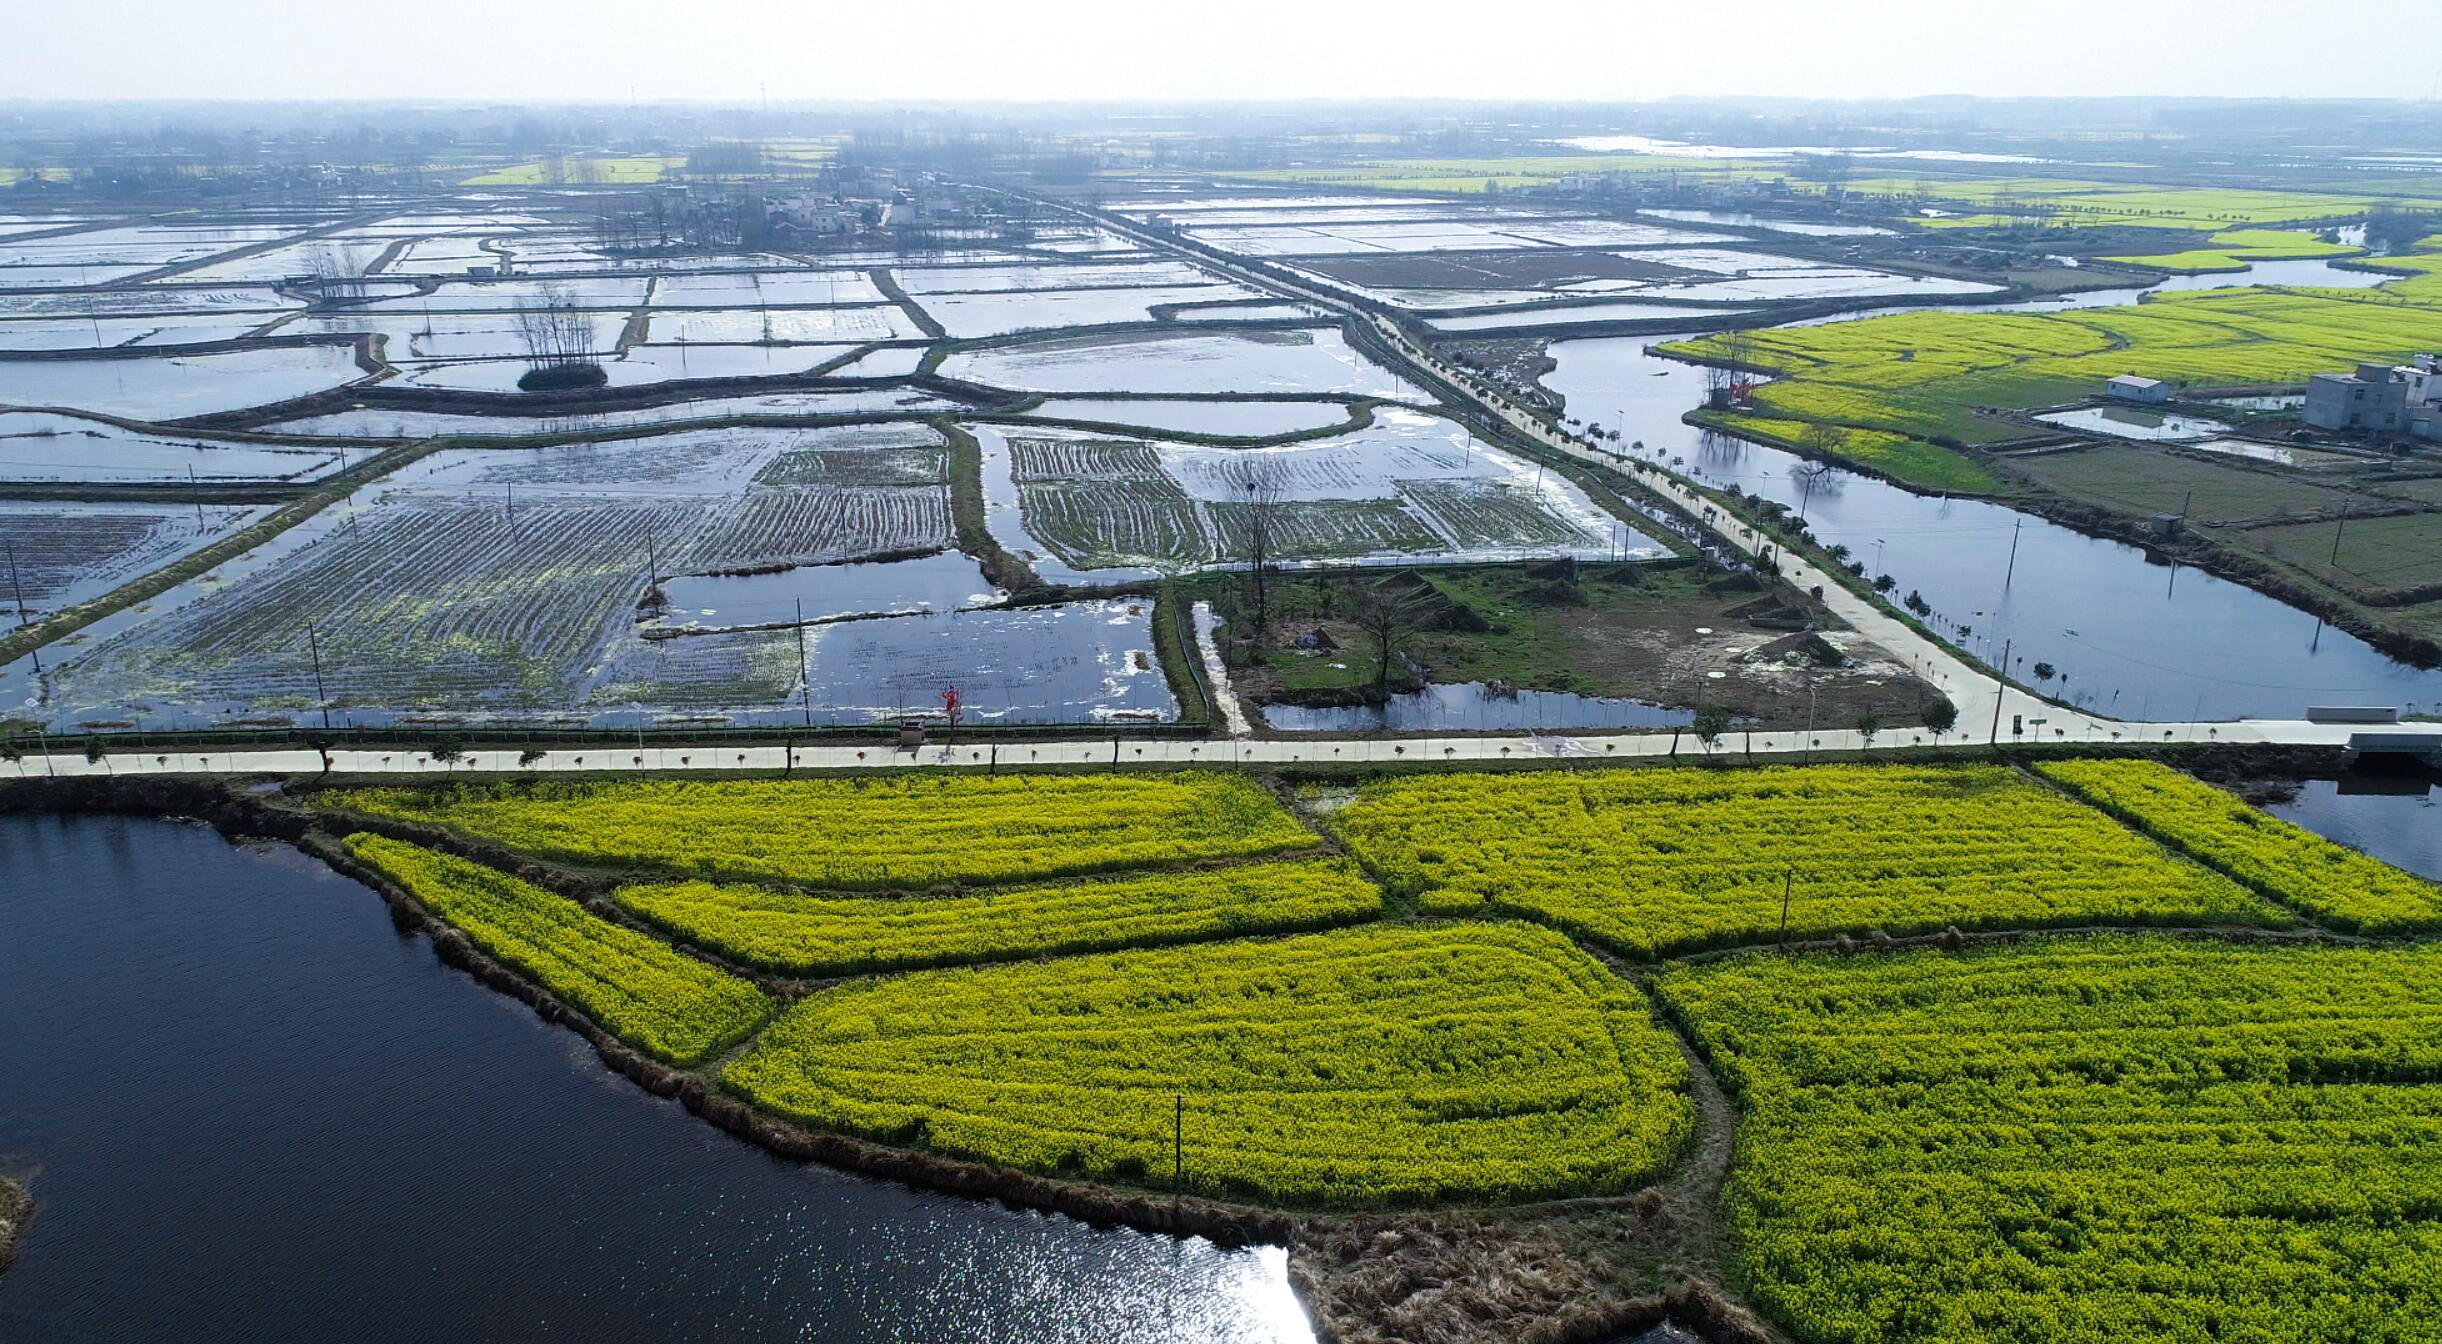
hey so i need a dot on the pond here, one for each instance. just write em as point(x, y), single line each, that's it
point(2303, 458)
point(2135, 422)
point(943, 582)
point(250, 1110)
point(173, 387)
point(1474, 706)
point(1220, 419)
point(1743, 220)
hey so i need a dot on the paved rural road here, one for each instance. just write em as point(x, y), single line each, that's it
point(1222, 753)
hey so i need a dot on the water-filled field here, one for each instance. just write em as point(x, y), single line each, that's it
point(35, 446)
point(1232, 419)
point(95, 333)
point(173, 387)
point(384, 422)
point(637, 366)
point(1314, 361)
point(972, 316)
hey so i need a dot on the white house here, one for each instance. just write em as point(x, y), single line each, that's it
point(2130, 387)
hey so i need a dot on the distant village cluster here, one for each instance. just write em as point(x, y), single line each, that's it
point(841, 203)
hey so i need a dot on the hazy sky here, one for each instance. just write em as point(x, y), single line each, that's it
point(514, 50)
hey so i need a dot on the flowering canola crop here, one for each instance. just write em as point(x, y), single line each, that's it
point(2084, 1139)
point(1657, 861)
point(831, 935)
point(641, 990)
point(2288, 863)
point(1378, 1064)
point(914, 830)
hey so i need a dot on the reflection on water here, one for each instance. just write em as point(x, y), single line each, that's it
point(1474, 706)
point(251, 1111)
point(1743, 220)
point(2134, 422)
point(821, 592)
point(2397, 819)
point(2305, 458)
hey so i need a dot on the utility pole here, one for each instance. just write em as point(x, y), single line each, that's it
point(321, 697)
point(197, 487)
point(1178, 1143)
point(16, 583)
point(512, 512)
point(805, 669)
point(23, 619)
point(2336, 531)
point(1788, 877)
point(2013, 570)
point(2001, 690)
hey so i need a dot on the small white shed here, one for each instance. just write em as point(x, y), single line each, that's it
point(2130, 387)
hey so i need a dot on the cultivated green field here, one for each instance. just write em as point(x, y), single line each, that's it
point(1924, 465)
point(2229, 1132)
point(2236, 249)
point(580, 169)
point(1924, 373)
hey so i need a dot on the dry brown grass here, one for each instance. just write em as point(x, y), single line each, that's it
point(16, 1207)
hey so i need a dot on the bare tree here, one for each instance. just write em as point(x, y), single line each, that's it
point(339, 273)
point(1256, 486)
point(556, 333)
point(1388, 616)
point(1736, 350)
point(559, 341)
